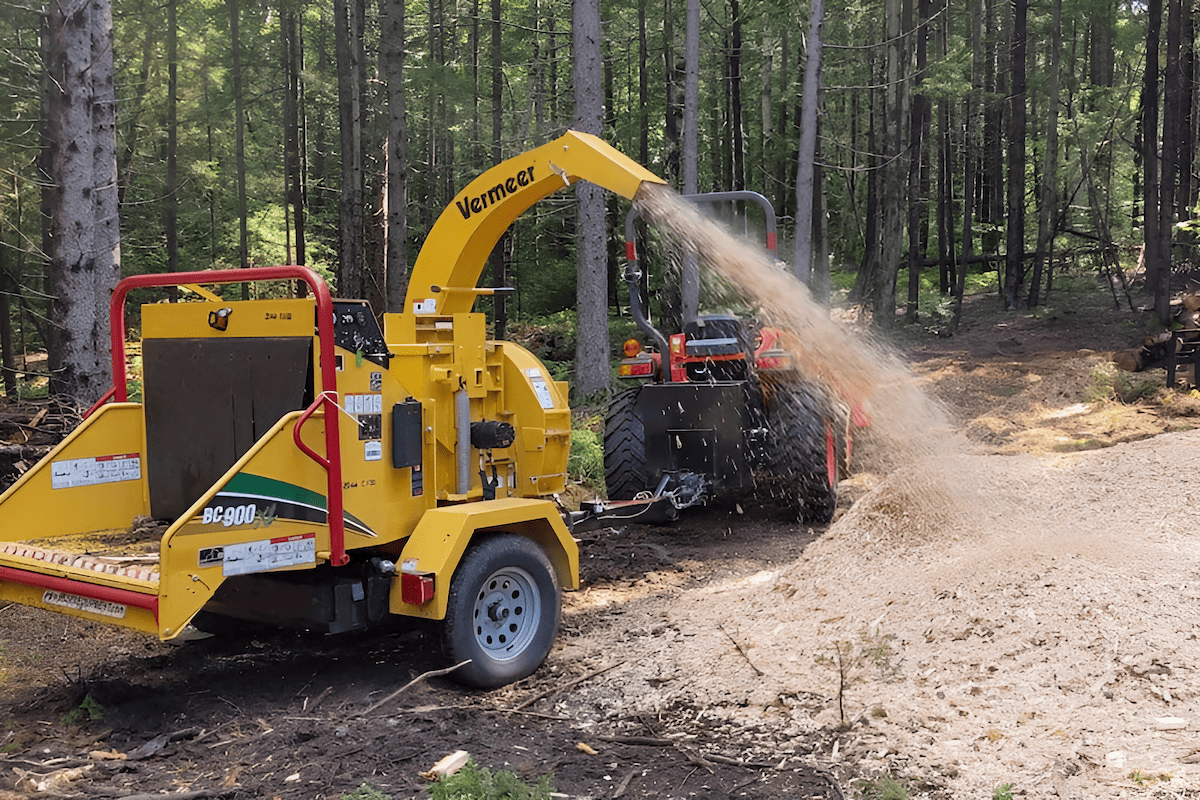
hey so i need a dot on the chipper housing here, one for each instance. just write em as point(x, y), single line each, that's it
point(293, 462)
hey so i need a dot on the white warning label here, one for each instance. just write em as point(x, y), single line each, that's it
point(92, 471)
point(540, 389)
point(286, 551)
point(101, 607)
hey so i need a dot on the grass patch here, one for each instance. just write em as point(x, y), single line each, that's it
point(1109, 383)
point(586, 462)
point(885, 787)
point(474, 782)
point(88, 709)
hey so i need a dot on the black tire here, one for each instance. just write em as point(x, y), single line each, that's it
point(503, 611)
point(625, 472)
point(803, 442)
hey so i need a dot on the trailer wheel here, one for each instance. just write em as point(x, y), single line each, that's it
point(805, 453)
point(625, 473)
point(503, 611)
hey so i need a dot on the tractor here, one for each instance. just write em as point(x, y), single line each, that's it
point(719, 410)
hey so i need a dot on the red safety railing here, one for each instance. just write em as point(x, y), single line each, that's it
point(92, 591)
point(332, 461)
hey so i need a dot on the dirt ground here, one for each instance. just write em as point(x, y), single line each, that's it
point(1019, 608)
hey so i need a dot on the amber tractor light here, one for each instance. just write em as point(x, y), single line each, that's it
point(633, 348)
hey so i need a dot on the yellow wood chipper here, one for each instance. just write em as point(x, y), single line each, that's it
point(292, 463)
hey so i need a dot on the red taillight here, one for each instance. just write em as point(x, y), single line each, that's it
point(632, 348)
point(635, 369)
point(416, 588)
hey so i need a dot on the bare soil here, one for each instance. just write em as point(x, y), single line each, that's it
point(1017, 608)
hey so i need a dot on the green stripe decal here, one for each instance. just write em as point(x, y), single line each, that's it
point(259, 485)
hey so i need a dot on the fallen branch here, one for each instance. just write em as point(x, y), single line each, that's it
point(564, 687)
point(743, 652)
point(695, 758)
point(436, 673)
point(317, 702)
point(198, 794)
point(830, 779)
point(733, 762)
point(624, 784)
point(641, 741)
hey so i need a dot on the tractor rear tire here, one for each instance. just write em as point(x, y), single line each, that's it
point(503, 611)
point(625, 473)
point(804, 454)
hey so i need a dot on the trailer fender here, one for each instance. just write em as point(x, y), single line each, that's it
point(441, 537)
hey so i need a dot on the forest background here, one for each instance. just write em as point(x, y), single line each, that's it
point(987, 143)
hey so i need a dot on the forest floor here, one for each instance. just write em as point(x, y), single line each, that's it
point(1021, 610)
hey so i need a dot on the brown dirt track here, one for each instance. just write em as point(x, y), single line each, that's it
point(719, 636)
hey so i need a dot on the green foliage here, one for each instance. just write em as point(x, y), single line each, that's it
point(1110, 383)
point(1003, 792)
point(88, 709)
point(586, 462)
point(884, 787)
point(474, 782)
point(366, 792)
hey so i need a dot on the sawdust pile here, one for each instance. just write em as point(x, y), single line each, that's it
point(997, 619)
point(1039, 628)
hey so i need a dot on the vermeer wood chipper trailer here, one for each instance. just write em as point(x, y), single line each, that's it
point(315, 471)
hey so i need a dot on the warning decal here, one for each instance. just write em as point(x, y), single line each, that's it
point(285, 551)
point(92, 471)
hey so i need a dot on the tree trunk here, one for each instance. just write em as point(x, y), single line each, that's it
point(85, 260)
point(971, 150)
point(1158, 268)
point(643, 87)
point(674, 112)
point(1014, 265)
point(690, 277)
point(351, 280)
point(501, 252)
point(735, 96)
point(293, 171)
point(392, 45)
point(1174, 129)
point(8, 288)
point(1049, 190)
point(819, 282)
point(591, 349)
point(239, 106)
point(802, 242)
point(918, 133)
point(945, 202)
point(170, 190)
point(895, 170)
point(134, 112)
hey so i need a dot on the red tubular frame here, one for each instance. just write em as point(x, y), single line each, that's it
point(332, 463)
point(92, 591)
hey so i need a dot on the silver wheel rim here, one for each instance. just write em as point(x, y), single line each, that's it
point(508, 612)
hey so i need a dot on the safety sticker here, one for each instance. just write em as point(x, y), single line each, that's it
point(363, 403)
point(540, 388)
point(74, 601)
point(91, 471)
point(373, 451)
point(286, 551)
